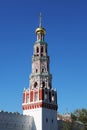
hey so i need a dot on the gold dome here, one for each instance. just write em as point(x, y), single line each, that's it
point(40, 30)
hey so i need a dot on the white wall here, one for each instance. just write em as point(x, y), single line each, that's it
point(37, 115)
point(51, 116)
point(41, 115)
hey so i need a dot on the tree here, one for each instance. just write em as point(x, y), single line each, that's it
point(80, 115)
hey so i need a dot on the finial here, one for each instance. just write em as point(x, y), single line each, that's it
point(40, 25)
point(40, 29)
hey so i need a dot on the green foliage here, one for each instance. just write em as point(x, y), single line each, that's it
point(80, 115)
point(79, 121)
point(74, 117)
point(70, 126)
point(66, 126)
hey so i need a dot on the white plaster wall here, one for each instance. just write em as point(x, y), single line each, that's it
point(40, 116)
point(51, 115)
point(37, 115)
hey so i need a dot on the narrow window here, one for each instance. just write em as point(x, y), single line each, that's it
point(37, 49)
point(36, 97)
point(52, 97)
point(52, 120)
point(49, 85)
point(42, 49)
point(46, 50)
point(27, 99)
point(46, 95)
point(36, 70)
point(43, 84)
point(46, 120)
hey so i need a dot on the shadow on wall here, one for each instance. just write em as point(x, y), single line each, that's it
point(33, 126)
point(16, 121)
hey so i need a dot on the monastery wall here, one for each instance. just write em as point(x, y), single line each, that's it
point(16, 121)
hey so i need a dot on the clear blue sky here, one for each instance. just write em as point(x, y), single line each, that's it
point(66, 24)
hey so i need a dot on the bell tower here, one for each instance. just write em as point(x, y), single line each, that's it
point(40, 99)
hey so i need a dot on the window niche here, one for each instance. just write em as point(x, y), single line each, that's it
point(49, 85)
point(53, 97)
point(37, 49)
point(42, 70)
point(36, 96)
point(41, 54)
point(27, 99)
point(43, 84)
point(46, 49)
point(35, 84)
point(46, 95)
point(46, 120)
point(42, 49)
point(36, 70)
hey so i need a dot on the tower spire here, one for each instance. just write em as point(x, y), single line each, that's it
point(40, 31)
point(40, 25)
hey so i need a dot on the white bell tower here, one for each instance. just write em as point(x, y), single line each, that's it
point(40, 100)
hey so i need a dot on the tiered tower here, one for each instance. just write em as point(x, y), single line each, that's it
point(40, 100)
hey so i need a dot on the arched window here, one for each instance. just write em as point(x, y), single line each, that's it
point(42, 69)
point(35, 84)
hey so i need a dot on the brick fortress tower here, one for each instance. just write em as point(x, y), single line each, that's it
point(40, 99)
